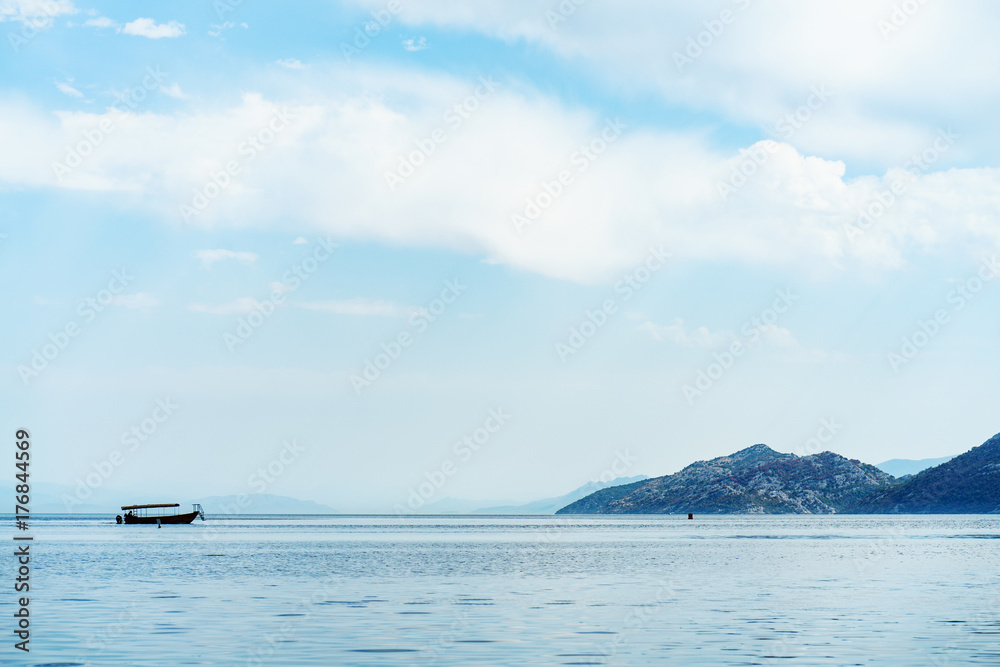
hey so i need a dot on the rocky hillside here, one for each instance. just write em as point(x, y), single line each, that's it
point(593, 503)
point(969, 483)
point(755, 480)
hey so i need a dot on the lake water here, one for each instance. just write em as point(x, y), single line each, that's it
point(362, 590)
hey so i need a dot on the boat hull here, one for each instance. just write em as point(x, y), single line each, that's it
point(172, 518)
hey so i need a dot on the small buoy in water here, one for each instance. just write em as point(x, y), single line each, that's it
point(690, 516)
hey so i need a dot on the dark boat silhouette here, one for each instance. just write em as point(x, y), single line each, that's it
point(142, 514)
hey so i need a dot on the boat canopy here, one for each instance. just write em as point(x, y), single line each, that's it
point(142, 507)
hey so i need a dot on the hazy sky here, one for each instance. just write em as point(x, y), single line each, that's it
point(493, 247)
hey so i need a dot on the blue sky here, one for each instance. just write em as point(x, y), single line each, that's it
point(225, 146)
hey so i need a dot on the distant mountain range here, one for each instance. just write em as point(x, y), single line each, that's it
point(449, 505)
point(759, 480)
point(755, 480)
point(48, 498)
point(550, 505)
point(903, 467)
point(261, 503)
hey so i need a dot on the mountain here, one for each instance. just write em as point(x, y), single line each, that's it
point(969, 483)
point(261, 503)
point(902, 467)
point(594, 502)
point(755, 480)
point(451, 505)
point(550, 505)
point(50, 498)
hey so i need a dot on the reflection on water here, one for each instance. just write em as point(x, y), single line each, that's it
point(355, 590)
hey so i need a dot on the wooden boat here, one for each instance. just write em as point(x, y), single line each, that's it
point(156, 513)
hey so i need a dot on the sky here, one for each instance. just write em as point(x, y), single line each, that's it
point(376, 254)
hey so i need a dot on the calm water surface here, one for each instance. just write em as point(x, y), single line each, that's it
point(363, 590)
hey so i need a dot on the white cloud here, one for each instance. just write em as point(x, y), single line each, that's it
point(327, 173)
point(144, 27)
point(290, 63)
point(39, 13)
point(679, 334)
point(240, 306)
point(359, 306)
point(770, 335)
point(217, 30)
point(415, 44)
point(300, 241)
point(174, 90)
point(68, 89)
point(137, 301)
point(777, 336)
point(209, 257)
point(102, 22)
point(761, 65)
